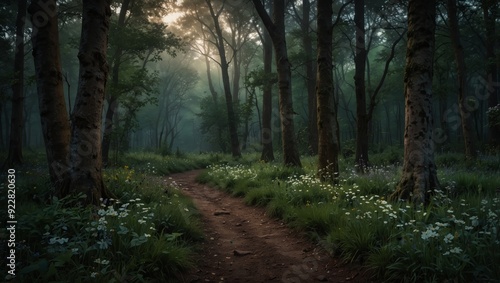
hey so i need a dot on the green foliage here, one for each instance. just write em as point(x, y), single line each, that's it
point(136, 90)
point(389, 156)
point(494, 115)
point(319, 218)
point(277, 207)
point(454, 238)
point(146, 235)
point(214, 126)
point(449, 159)
point(257, 79)
point(156, 164)
point(464, 182)
point(260, 196)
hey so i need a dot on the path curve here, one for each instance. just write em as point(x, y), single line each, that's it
point(242, 244)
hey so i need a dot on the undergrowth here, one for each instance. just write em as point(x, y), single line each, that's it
point(454, 239)
point(148, 234)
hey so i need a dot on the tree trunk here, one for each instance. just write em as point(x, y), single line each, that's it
point(277, 32)
point(236, 76)
point(15, 156)
point(490, 14)
point(419, 177)
point(310, 78)
point(362, 121)
point(224, 65)
point(49, 79)
point(85, 154)
point(465, 115)
point(113, 97)
point(108, 128)
point(267, 102)
point(328, 148)
point(209, 78)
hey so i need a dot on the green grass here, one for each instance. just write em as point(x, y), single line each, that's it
point(149, 234)
point(152, 232)
point(454, 238)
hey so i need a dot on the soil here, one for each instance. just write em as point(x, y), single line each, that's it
point(242, 244)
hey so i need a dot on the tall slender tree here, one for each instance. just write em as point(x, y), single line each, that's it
point(328, 148)
point(16, 125)
point(267, 98)
point(419, 176)
point(458, 50)
point(138, 37)
point(490, 16)
point(359, 82)
point(224, 65)
point(276, 30)
point(304, 20)
point(112, 99)
point(49, 80)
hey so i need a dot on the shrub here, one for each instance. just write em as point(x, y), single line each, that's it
point(144, 235)
point(454, 238)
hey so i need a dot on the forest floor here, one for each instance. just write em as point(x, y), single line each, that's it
point(242, 244)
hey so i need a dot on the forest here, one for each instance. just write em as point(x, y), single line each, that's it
point(250, 140)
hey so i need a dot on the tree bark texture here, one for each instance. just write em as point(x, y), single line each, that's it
point(15, 155)
point(419, 177)
point(85, 154)
point(328, 148)
point(276, 30)
point(465, 115)
point(49, 79)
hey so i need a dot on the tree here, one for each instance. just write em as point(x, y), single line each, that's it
point(215, 23)
point(138, 37)
point(359, 82)
point(73, 153)
point(266, 138)
point(177, 80)
point(16, 125)
point(328, 147)
point(53, 114)
point(304, 21)
point(276, 30)
point(465, 115)
point(490, 16)
point(419, 177)
point(224, 65)
point(85, 154)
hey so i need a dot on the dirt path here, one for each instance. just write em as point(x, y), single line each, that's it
point(244, 245)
